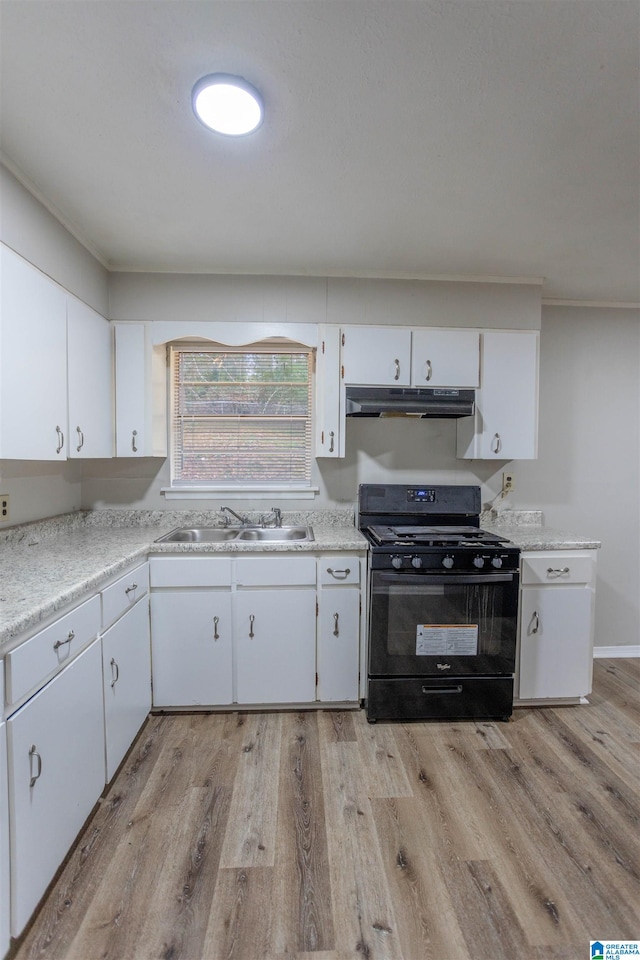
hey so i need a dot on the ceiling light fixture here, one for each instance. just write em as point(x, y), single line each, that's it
point(227, 104)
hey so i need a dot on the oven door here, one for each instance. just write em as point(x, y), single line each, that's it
point(433, 624)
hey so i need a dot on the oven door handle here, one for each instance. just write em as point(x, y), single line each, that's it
point(428, 578)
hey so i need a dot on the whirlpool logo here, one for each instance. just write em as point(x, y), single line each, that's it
point(443, 666)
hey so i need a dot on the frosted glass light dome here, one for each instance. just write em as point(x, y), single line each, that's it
point(227, 104)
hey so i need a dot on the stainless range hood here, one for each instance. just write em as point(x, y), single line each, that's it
point(442, 402)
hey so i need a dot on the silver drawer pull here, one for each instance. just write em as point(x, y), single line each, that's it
point(114, 673)
point(60, 439)
point(429, 371)
point(34, 753)
point(339, 574)
point(496, 443)
point(397, 366)
point(80, 439)
point(134, 434)
point(336, 630)
point(534, 625)
point(216, 621)
point(331, 446)
point(251, 622)
point(558, 571)
point(134, 586)
point(61, 643)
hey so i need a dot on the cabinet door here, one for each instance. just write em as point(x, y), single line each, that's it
point(131, 384)
point(191, 648)
point(377, 355)
point(338, 643)
point(33, 363)
point(4, 844)
point(555, 642)
point(126, 669)
point(445, 358)
point(56, 774)
point(330, 434)
point(275, 637)
point(90, 373)
point(505, 426)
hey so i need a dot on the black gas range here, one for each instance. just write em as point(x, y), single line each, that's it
point(443, 596)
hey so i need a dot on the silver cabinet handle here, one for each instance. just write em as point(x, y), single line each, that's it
point(60, 439)
point(558, 571)
point(397, 363)
point(251, 622)
point(80, 439)
point(336, 630)
point(34, 753)
point(534, 625)
point(216, 621)
point(496, 443)
point(61, 643)
point(134, 586)
point(115, 674)
point(339, 574)
point(133, 441)
point(331, 435)
point(429, 371)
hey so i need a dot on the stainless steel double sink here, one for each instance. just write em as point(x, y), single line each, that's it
point(238, 535)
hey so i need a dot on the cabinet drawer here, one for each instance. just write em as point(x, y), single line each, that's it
point(275, 571)
point(190, 571)
point(339, 570)
point(122, 594)
point(38, 659)
point(556, 567)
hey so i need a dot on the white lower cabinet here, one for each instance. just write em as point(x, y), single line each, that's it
point(5, 923)
point(126, 670)
point(191, 632)
point(56, 774)
point(338, 628)
point(556, 625)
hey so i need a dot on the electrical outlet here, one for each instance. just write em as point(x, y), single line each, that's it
point(508, 483)
point(4, 507)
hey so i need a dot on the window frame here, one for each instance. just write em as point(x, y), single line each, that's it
point(240, 490)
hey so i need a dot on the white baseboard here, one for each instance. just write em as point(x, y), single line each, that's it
point(623, 650)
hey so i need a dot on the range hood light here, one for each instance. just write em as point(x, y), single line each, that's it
point(227, 104)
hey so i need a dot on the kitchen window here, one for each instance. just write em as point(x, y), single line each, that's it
point(241, 418)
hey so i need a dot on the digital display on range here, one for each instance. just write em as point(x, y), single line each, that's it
point(421, 495)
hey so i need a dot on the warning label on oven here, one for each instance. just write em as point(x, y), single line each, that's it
point(455, 639)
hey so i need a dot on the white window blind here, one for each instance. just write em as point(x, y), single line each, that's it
point(241, 416)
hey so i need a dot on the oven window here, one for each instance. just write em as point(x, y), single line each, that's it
point(412, 622)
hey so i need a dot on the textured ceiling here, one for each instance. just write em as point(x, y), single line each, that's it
point(476, 138)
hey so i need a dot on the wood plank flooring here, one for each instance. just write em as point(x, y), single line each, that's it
point(317, 836)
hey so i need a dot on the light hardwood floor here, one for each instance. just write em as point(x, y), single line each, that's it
point(316, 836)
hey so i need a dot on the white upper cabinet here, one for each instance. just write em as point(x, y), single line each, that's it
point(505, 425)
point(330, 434)
point(90, 373)
point(376, 355)
point(33, 363)
point(140, 393)
point(445, 358)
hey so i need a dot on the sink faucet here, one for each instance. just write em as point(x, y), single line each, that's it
point(243, 520)
point(277, 517)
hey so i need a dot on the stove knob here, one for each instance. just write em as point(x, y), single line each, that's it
point(416, 562)
point(396, 562)
point(478, 562)
point(447, 562)
point(496, 562)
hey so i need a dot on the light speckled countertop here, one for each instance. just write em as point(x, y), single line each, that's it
point(45, 566)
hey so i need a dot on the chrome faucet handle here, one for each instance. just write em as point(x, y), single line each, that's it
point(278, 516)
